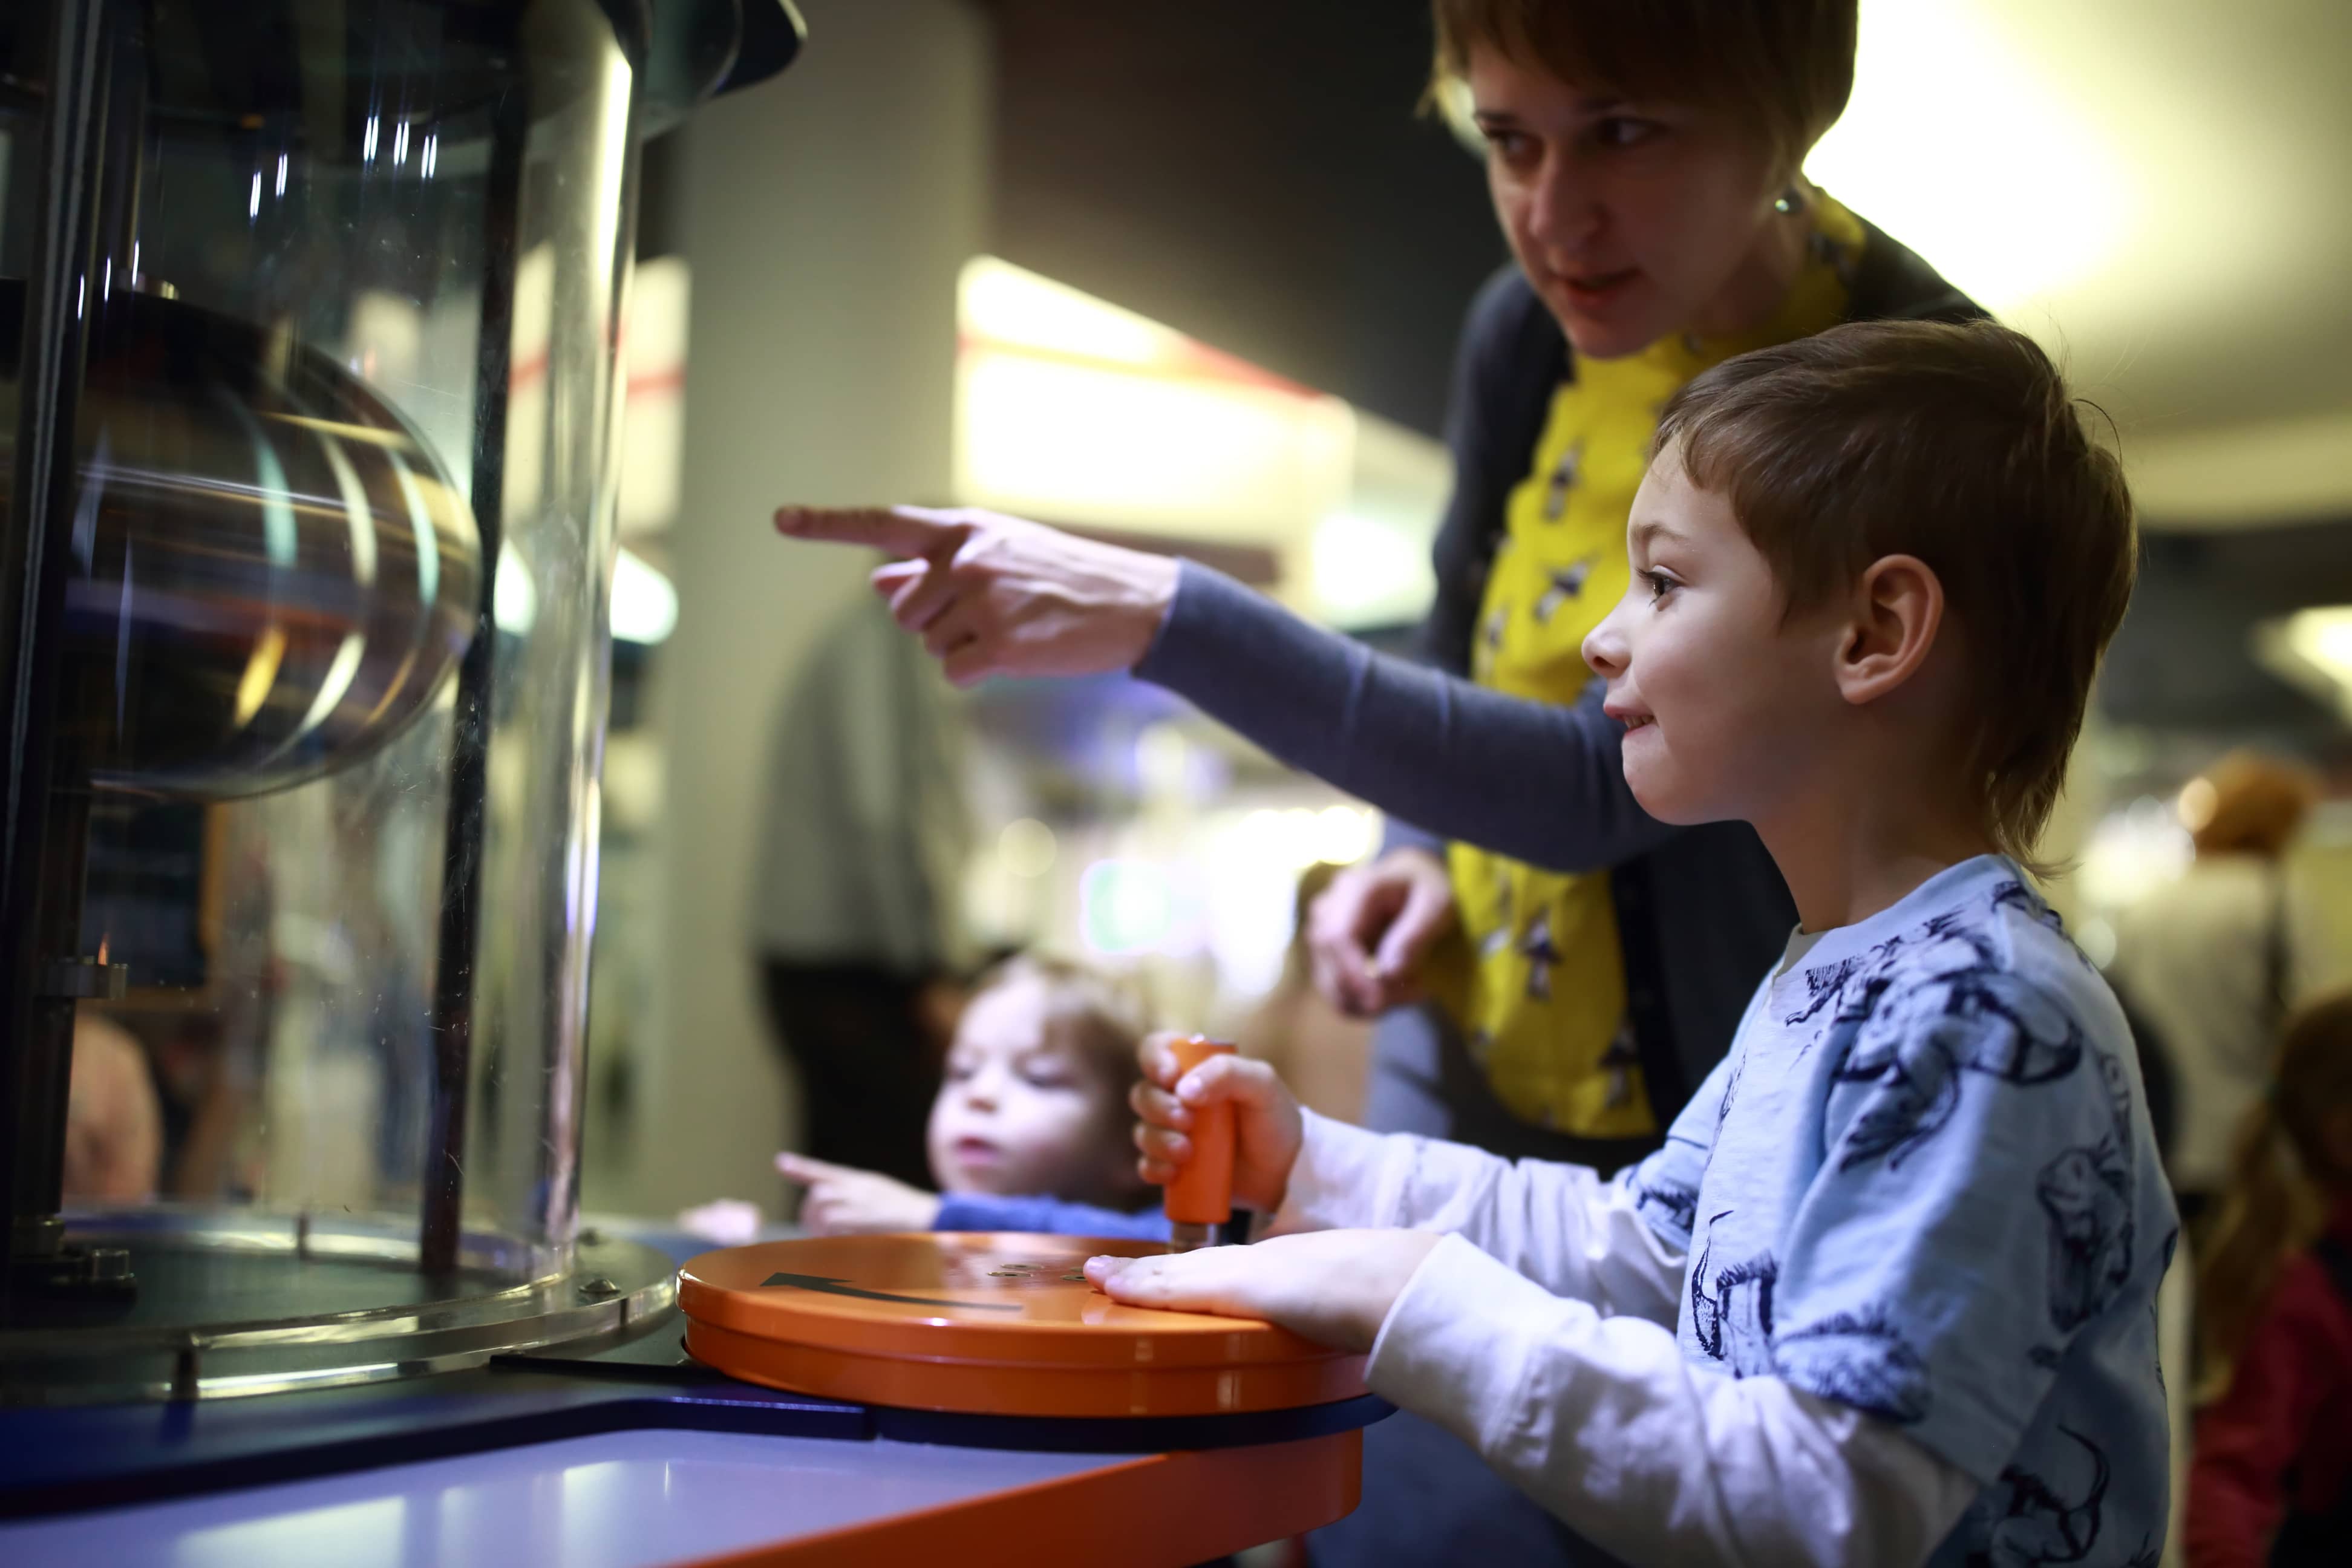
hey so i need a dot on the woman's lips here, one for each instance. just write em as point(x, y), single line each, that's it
point(1594, 290)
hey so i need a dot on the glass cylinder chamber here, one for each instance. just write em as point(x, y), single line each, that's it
point(309, 418)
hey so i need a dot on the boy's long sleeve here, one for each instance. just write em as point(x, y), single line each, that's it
point(1602, 1421)
point(1559, 1225)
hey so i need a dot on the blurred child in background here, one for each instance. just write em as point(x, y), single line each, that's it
point(2271, 1480)
point(1030, 1130)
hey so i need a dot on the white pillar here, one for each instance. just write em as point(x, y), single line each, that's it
point(825, 214)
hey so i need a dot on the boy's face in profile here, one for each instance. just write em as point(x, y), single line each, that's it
point(1724, 704)
point(1022, 1112)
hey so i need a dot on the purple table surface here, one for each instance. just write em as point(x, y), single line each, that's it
point(621, 1499)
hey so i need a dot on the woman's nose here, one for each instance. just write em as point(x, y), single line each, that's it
point(1561, 213)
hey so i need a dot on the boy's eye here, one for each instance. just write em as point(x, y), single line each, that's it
point(1660, 584)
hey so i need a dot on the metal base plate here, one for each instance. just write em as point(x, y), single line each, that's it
point(239, 1304)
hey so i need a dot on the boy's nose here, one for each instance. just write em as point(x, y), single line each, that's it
point(1604, 648)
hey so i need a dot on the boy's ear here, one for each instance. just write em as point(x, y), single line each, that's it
point(1896, 609)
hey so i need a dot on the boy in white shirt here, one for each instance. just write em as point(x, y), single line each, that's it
point(1887, 1293)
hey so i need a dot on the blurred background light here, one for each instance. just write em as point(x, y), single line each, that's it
point(514, 603)
point(2132, 851)
point(1962, 147)
point(1026, 846)
point(1124, 908)
point(1075, 410)
point(1344, 834)
point(2311, 649)
point(1368, 572)
point(1009, 306)
point(645, 604)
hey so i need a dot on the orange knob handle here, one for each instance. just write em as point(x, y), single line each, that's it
point(1202, 1193)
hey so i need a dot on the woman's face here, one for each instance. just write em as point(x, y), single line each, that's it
point(1632, 220)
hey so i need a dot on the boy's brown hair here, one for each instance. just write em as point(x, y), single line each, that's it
point(1958, 445)
point(1783, 67)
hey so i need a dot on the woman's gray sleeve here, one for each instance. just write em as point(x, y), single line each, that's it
point(1534, 781)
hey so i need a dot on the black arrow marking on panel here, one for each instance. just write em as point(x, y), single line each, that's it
point(823, 1286)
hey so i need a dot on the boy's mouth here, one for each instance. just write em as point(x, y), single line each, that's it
point(1631, 718)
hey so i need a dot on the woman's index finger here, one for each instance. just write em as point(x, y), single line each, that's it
point(903, 531)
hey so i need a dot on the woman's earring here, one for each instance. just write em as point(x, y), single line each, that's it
point(1791, 200)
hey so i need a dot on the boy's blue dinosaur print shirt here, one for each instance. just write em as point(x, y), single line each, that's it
point(1924, 1184)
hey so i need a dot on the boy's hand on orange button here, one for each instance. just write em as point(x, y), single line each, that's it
point(1335, 1287)
point(1267, 1127)
point(844, 1202)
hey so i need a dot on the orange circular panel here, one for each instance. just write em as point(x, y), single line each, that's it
point(988, 1323)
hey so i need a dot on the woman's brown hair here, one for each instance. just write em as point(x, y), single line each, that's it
point(2282, 1180)
point(1783, 67)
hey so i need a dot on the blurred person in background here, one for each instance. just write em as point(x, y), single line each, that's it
point(1554, 970)
point(1030, 1129)
point(2272, 1477)
point(1323, 1055)
point(855, 897)
point(2209, 961)
point(114, 1120)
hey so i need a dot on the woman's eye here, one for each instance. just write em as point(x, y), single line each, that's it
point(1623, 131)
point(1510, 146)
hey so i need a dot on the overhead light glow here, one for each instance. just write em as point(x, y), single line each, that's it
point(1955, 144)
point(2312, 649)
point(1073, 440)
point(1010, 306)
point(2325, 637)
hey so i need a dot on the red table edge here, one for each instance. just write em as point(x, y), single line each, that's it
point(1163, 1510)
